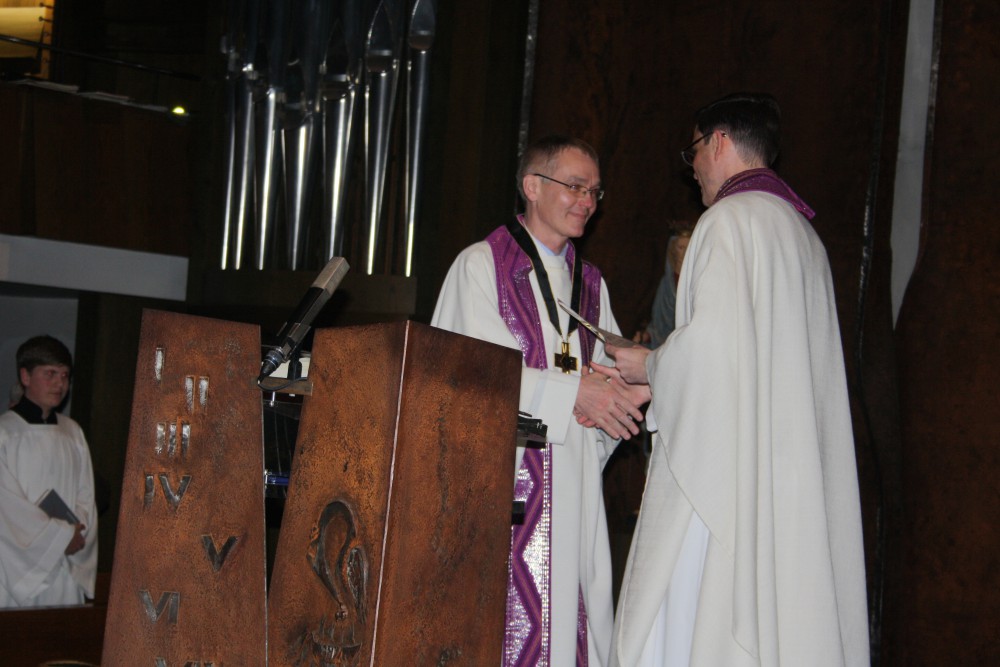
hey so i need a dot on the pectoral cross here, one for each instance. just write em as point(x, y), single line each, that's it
point(564, 361)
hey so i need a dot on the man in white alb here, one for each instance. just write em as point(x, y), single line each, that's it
point(748, 547)
point(505, 290)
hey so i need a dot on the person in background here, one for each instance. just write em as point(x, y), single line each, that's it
point(661, 321)
point(45, 561)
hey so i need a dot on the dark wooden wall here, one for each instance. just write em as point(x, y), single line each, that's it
point(944, 578)
point(630, 80)
point(88, 172)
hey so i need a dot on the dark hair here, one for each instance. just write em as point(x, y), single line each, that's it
point(751, 120)
point(544, 151)
point(43, 351)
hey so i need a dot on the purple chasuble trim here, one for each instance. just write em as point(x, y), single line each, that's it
point(526, 640)
point(764, 180)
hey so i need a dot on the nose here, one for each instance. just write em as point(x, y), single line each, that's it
point(589, 199)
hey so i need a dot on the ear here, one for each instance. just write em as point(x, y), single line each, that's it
point(530, 186)
point(721, 143)
point(25, 376)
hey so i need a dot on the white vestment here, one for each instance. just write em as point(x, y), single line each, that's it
point(580, 552)
point(755, 454)
point(34, 570)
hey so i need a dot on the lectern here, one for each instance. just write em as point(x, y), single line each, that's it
point(394, 541)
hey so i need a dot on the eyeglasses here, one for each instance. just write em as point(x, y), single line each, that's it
point(688, 153)
point(578, 190)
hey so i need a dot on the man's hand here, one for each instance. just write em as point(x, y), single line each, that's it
point(78, 540)
point(582, 420)
point(630, 362)
point(608, 405)
point(639, 394)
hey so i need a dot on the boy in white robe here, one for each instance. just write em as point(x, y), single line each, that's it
point(45, 561)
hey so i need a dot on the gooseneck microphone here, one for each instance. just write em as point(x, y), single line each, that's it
point(298, 325)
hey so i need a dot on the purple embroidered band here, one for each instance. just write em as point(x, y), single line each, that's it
point(526, 640)
point(764, 180)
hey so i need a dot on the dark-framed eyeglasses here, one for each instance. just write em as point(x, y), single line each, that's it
point(688, 152)
point(578, 190)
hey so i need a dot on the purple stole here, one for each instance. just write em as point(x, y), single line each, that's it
point(764, 180)
point(526, 640)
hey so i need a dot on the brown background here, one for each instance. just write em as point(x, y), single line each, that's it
point(626, 76)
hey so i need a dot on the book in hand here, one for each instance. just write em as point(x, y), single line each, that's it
point(52, 504)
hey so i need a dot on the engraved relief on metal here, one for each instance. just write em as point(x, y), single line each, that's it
point(340, 562)
point(172, 497)
point(170, 601)
point(172, 440)
point(203, 392)
point(166, 438)
point(189, 393)
point(217, 557)
point(161, 437)
point(150, 491)
point(158, 359)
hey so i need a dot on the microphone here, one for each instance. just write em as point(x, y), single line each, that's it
point(298, 325)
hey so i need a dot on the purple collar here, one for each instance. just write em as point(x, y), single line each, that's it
point(764, 180)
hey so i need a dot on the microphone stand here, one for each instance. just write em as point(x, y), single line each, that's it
point(295, 329)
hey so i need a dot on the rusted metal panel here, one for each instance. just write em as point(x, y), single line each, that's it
point(394, 541)
point(188, 585)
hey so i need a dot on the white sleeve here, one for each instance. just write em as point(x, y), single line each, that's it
point(550, 396)
point(31, 544)
point(467, 304)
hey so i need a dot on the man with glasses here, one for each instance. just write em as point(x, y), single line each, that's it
point(505, 290)
point(748, 547)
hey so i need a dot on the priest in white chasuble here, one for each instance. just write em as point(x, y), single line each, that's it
point(506, 290)
point(748, 546)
